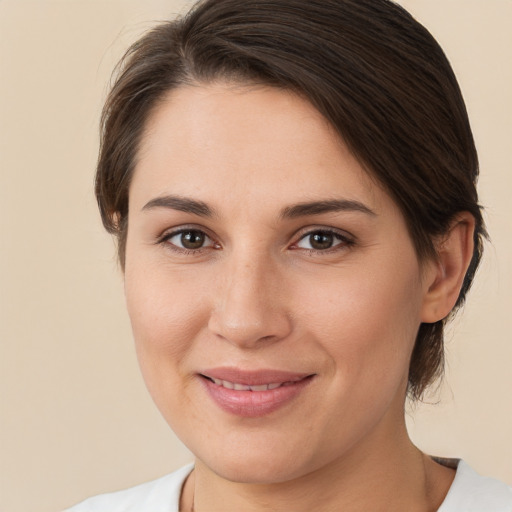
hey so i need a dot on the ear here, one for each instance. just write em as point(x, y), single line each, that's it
point(444, 276)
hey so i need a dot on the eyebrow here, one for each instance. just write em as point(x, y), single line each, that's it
point(182, 204)
point(328, 206)
point(200, 208)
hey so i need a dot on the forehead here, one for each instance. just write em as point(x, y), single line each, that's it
point(245, 142)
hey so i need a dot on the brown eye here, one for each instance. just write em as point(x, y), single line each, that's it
point(322, 241)
point(192, 239)
point(189, 239)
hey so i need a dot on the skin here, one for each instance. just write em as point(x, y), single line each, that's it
point(256, 295)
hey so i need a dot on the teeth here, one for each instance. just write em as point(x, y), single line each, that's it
point(262, 387)
point(243, 387)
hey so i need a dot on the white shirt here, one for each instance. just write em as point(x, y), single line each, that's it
point(469, 492)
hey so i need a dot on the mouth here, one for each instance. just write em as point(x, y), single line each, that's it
point(237, 386)
point(253, 393)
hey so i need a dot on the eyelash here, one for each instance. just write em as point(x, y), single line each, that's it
point(344, 240)
point(164, 240)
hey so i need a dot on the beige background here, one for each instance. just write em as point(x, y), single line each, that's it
point(75, 417)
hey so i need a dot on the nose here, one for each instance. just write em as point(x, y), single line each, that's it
point(250, 306)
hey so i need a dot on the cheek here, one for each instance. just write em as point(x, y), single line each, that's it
point(167, 314)
point(367, 322)
point(167, 311)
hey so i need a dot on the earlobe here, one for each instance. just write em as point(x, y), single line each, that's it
point(444, 280)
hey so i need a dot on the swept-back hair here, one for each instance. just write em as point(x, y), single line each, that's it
point(374, 72)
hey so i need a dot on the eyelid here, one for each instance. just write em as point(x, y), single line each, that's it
point(169, 233)
point(175, 230)
point(346, 238)
point(170, 236)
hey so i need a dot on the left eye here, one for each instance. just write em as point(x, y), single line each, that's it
point(321, 240)
point(190, 239)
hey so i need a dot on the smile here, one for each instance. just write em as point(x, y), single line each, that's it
point(244, 387)
point(253, 394)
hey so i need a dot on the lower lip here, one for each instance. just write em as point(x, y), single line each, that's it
point(252, 404)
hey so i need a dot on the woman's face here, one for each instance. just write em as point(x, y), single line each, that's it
point(260, 254)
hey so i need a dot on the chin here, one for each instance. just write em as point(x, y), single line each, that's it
point(265, 466)
point(262, 472)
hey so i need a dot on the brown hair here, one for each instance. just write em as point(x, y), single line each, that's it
point(373, 71)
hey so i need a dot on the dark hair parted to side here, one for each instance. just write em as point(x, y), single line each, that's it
point(374, 72)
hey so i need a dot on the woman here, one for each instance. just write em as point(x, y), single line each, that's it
point(292, 187)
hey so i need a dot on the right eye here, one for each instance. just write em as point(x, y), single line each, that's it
point(188, 240)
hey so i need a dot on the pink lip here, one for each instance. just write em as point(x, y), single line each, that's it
point(253, 377)
point(251, 404)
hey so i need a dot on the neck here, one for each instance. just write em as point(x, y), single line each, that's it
point(382, 475)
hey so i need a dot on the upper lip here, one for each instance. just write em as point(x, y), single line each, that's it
point(253, 377)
